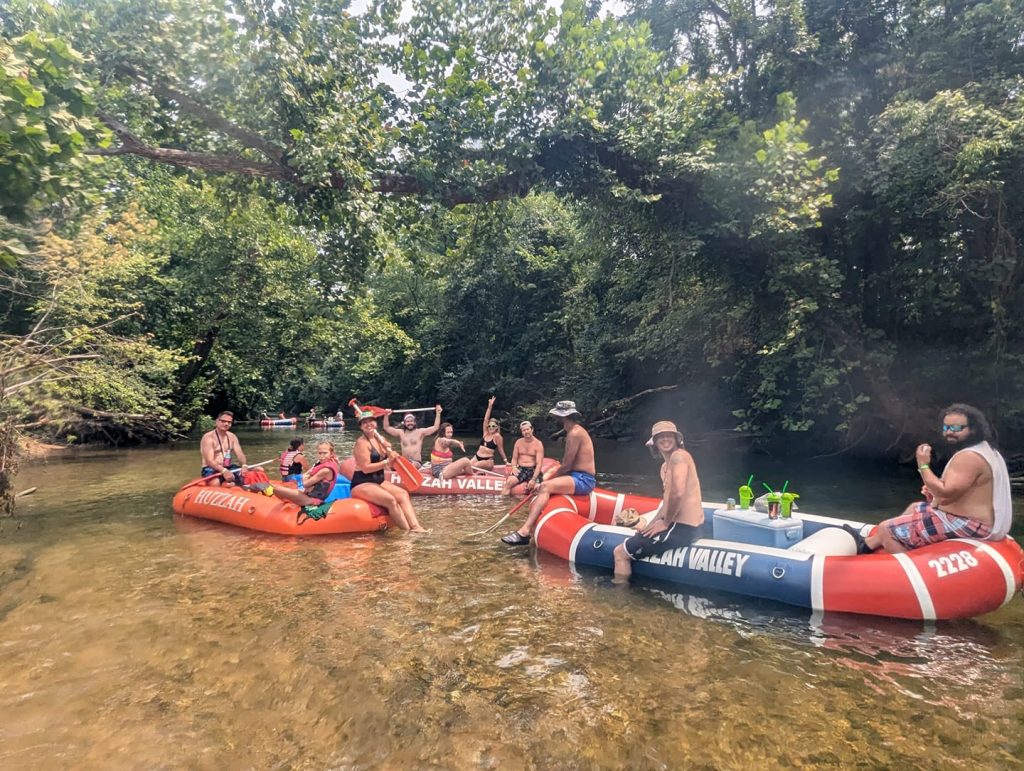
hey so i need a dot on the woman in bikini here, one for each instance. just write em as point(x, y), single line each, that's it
point(373, 457)
point(491, 443)
point(441, 464)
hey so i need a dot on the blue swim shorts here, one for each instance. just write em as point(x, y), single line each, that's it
point(584, 482)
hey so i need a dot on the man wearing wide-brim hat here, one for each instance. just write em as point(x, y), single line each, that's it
point(680, 515)
point(574, 476)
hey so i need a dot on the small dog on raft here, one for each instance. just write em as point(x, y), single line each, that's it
point(628, 518)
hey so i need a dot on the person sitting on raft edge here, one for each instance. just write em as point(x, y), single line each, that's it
point(680, 515)
point(970, 500)
point(527, 461)
point(574, 475)
point(218, 448)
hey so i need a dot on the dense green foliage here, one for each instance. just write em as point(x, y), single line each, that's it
point(805, 219)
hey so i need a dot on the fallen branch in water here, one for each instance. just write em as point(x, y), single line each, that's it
point(23, 493)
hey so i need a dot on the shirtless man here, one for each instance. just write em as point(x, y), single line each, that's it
point(219, 449)
point(410, 437)
point(527, 458)
point(574, 476)
point(679, 517)
point(970, 500)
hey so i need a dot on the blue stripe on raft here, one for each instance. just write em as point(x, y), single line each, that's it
point(772, 574)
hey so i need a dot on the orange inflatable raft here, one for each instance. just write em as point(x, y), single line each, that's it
point(269, 514)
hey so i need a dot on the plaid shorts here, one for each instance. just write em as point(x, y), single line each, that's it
point(928, 524)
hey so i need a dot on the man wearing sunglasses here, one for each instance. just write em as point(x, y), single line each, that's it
point(221, 452)
point(970, 500)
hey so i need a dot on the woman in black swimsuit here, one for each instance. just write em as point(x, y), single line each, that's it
point(373, 458)
point(491, 443)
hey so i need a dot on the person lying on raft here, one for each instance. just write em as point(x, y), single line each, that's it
point(492, 442)
point(441, 464)
point(680, 514)
point(970, 500)
point(411, 437)
point(317, 483)
point(293, 462)
point(219, 448)
point(527, 459)
point(574, 476)
point(373, 456)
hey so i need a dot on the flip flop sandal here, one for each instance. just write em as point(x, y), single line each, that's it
point(516, 539)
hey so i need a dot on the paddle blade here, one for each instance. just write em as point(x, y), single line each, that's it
point(409, 477)
point(357, 408)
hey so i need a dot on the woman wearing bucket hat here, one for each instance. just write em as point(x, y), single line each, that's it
point(681, 514)
point(373, 458)
point(574, 476)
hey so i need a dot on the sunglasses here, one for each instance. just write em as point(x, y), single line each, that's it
point(952, 429)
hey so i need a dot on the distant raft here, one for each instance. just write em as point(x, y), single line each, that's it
point(268, 514)
point(331, 423)
point(286, 422)
point(805, 561)
point(485, 483)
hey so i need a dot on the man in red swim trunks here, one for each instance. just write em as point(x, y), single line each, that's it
point(970, 500)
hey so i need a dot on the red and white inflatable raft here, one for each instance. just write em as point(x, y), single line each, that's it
point(488, 483)
point(269, 514)
point(954, 579)
point(286, 422)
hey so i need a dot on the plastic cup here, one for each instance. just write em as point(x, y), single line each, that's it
point(746, 496)
point(774, 501)
point(787, 504)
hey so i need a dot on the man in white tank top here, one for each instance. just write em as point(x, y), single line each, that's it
point(970, 500)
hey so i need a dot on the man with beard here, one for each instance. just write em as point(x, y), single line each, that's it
point(970, 500)
point(411, 437)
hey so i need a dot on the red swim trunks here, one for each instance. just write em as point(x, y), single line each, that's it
point(930, 525)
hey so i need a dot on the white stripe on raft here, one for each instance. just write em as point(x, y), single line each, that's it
point(576, 542)
point(1011, 583)
point(818, 582)
point(924, 599)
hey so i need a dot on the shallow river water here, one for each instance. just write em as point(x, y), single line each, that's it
point(134, 638)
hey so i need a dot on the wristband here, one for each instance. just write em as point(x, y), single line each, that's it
point(923, 466)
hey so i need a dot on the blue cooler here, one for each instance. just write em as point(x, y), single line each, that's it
point(754, 527)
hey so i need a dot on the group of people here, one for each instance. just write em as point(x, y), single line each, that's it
point(970, 500)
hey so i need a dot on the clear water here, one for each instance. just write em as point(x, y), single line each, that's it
point(133, 638)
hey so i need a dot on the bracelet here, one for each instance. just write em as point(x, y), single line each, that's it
point(923, 466)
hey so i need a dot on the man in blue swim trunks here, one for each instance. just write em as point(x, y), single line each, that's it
point(575, 475)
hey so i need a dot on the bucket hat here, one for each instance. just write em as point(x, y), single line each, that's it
point(564, 409)
point(665, 427)
point(367, 415)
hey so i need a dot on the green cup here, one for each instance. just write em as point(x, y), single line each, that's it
point(746, 496)
point(787, 504)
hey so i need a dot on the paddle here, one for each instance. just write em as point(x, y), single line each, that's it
point(515, 508)
point(220, 476)
point(409, 477)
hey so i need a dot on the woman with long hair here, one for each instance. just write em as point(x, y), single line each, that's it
point(373, 458)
